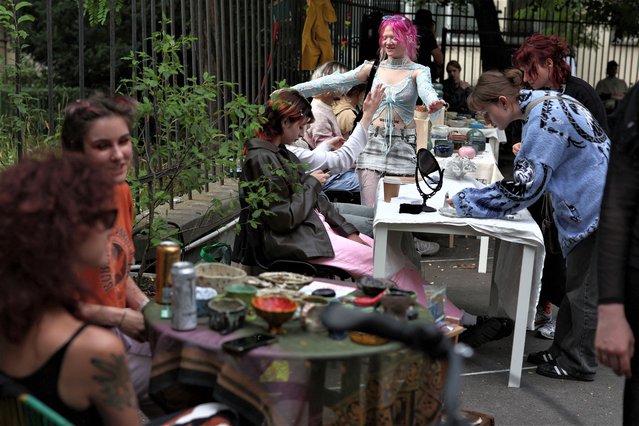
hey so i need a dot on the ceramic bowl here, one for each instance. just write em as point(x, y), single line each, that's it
point(227, 314)
point(456, 123)
point(324, 292)
point(373, 286)
point(275, 310)
point(218, 275)
point(244, 292)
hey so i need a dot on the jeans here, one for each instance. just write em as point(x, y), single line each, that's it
point(360, 216)
point(347, 181)
point(574, 344)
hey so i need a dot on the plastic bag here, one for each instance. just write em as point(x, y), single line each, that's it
point(216, 253)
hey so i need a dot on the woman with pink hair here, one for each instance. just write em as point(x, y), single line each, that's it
point(391, 136)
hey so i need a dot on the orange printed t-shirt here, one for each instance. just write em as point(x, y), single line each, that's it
point(109, 282)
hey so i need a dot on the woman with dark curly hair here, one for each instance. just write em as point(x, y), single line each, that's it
point(56, 218)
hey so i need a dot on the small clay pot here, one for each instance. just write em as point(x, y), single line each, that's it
point(396, 304)
point(227, 314)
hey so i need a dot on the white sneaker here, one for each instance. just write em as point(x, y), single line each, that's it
point(426, 248)
point(547, 331)
point(542, 319)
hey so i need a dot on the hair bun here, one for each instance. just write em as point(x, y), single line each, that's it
point(515, 76)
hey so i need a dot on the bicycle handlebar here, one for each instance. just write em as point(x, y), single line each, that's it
point(426, 338)
point(423, 337)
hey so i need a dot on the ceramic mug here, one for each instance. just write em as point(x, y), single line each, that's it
point(396, 304)
point(227, 314)
point(312, 307)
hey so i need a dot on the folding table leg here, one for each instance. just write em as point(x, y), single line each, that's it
point(483, 254)
point(493, 304)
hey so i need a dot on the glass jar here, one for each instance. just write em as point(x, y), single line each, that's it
point(477, 139)
point(457, 139)
point(437, 133)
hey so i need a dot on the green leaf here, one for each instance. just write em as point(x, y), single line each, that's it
point(22, 4)
point(26, 18)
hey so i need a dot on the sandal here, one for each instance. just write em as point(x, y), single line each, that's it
point(541, 357)
point(487, 330)
point(556, 372)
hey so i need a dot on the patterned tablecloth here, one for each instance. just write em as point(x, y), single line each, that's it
point(304, 378)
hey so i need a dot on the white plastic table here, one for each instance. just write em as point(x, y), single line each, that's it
point(521, 244)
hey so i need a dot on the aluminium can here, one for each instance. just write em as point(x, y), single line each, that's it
point(183, 303)
point(166, 254)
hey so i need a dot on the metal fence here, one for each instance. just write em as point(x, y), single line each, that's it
point(256, 43)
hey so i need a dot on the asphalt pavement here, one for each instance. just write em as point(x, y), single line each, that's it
point(539, 400)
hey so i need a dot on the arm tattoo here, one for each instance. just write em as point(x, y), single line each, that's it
point(113, 375)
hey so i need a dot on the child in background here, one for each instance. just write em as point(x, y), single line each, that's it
point(347, 108)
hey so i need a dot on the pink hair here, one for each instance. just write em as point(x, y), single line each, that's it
point(404, 31)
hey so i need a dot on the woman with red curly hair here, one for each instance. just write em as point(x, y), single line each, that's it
point(57, 215)
point(391, 135)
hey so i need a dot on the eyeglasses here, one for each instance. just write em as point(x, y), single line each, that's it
point(394, 18)
point(105, 217)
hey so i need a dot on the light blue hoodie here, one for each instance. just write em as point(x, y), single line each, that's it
point(565, 152)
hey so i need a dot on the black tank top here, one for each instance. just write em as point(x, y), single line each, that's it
point(43, 384)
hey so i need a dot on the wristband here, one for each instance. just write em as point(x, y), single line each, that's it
point(142, 305)
point(122, 318)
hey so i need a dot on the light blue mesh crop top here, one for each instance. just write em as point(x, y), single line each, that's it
point(400, 97)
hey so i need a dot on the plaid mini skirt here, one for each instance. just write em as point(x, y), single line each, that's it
point(389, 151)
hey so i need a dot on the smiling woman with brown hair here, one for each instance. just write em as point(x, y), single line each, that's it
point(57, 216)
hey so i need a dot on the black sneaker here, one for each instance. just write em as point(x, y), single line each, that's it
point(541, 357)
point(556, 372)
point(487, 330)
